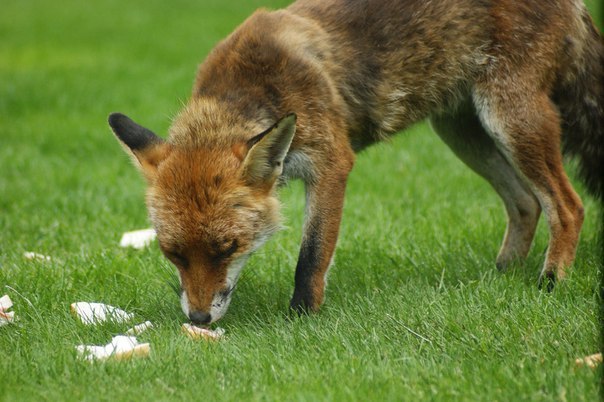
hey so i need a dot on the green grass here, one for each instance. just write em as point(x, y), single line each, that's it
point(415, 308)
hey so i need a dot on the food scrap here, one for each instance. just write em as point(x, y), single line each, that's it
point(591, 361)
point(94, 313)
point(6, 316)
point(140, 328)
point(138, 239)
point(202, 333)
point(30, 255)
point(120, 348)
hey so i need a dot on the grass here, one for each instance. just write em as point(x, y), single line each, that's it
point(415, 308)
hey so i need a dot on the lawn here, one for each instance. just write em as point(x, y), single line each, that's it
point(415, 307)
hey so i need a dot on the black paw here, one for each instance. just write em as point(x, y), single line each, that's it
point(547, 281)
point(303, 302)
point(299, 306)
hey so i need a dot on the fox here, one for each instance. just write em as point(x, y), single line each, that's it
point(511, 87)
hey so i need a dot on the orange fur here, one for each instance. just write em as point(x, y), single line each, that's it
point(501, 81)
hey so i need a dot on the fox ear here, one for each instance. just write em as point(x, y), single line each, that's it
point(146, 149)
point(264, 161)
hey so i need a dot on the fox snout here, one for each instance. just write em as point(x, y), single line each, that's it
point(200, 317)
point(217, 309)
point(205, 301)
point(205, 306)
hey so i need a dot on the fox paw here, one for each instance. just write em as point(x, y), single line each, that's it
point(547, 281)
point(303, 304)
point(299, 306)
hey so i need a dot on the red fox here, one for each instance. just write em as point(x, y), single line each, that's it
point(296, 93)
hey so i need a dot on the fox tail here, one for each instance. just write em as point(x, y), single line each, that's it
point(580, 98)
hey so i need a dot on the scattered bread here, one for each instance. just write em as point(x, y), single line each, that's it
point(138, 239)
point(6, 316)
point(591, 361)
point(120, 348)
point(140, 328)
point(30, 255)
point(194, 332)
point(94, 313)
point(140, 350)
point(5, 303)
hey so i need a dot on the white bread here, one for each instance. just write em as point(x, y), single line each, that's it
point(138, 239)
point(202, 333)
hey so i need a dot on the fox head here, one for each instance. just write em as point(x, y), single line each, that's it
point(212, 204)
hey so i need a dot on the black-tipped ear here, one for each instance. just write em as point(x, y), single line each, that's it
point(146, 149)
point(134, 136)
point(264, 161)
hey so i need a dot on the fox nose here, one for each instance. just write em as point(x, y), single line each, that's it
point(200, 317)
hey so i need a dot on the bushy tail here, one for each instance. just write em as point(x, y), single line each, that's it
point(580, 97)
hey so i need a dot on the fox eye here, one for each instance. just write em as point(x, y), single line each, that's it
point(222, 253)
point(231, 250)
point(177, 259)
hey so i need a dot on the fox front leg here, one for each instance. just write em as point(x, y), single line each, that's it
point(324, 204)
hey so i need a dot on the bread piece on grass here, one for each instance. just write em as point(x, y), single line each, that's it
point(138, 239)
point(591, 361)
point(194, 332)
point(120, 348)
point(6, 316)
point(30, 255)
point(94, 313)
point(5, 303)
point(140, 328)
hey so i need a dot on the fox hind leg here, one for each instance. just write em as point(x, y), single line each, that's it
point(525, 126)
point(462, 131)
